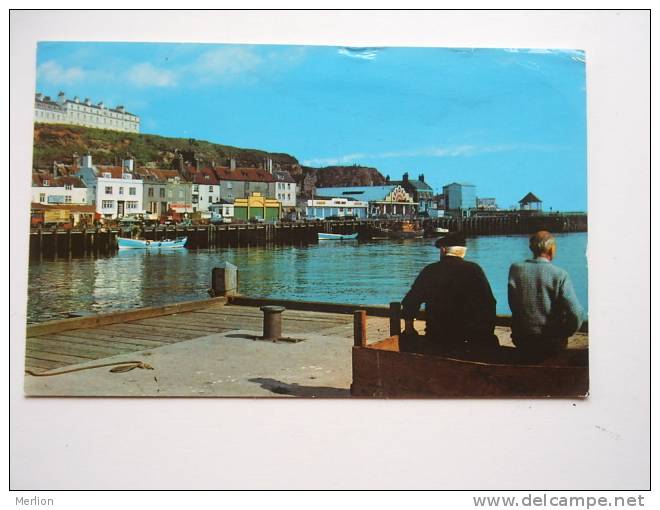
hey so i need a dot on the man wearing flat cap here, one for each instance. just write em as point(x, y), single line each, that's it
point(460, 307)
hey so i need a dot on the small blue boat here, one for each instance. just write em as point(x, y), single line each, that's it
point(145, 244)
point(336, 237)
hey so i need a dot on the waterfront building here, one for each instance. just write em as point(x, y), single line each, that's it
point(179, 196)
point(321, 208)
point(531, 203)
point(390, 199)
point(115, 191)
point(83, 113)
point(74, 214)
point(257, 206)
point(205, 189)
point(420, 191)
point(154, 189)
point(461, 197)
point(237, 183)
point(285, 188)
point(486, 204)
point(50, 189)
point(223, 208)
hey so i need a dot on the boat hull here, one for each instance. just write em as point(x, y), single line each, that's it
point(125, 243)
point(381, 370)
point(336, 237)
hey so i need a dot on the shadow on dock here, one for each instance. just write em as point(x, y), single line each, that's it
point(298, 390)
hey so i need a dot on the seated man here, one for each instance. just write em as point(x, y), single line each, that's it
point(545, 309)
point(460, 307)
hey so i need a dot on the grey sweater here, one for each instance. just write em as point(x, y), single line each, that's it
point(542, 300)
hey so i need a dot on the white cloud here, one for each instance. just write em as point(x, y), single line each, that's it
point(449, 151)
point(228, 61)
point(147, 75)
point(53, 73)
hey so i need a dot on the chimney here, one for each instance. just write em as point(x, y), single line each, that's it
point(86, 161)
point(270, 165)
point(128, 164)
point(39, 96)
point(181, 163)
point(120, 108)
point(87, 102)
point(76, 99)
point(421, 177)
point(55, 169)
point(232, 164)
point(101, 105)
point(61, 98)
point(405, 177)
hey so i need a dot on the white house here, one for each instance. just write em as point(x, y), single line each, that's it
point(116, 191)
point(285, 188)
point(49, 189)
point(205, 189)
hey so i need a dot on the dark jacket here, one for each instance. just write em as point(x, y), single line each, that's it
point(459, 302)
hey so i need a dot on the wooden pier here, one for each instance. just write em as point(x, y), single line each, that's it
point(99, 241)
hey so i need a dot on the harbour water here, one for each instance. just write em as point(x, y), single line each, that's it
point(358, 272)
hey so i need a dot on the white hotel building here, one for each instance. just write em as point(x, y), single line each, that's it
point(83, 113)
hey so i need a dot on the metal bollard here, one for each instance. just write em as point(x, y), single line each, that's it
point(272, 322)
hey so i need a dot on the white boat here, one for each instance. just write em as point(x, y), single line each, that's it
point(145, 244)
point(336, 237)
point(441, 230)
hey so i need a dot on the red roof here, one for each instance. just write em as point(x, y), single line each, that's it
point(243, 174)
point(203, 176)
point(116, 172)
point(55, 182)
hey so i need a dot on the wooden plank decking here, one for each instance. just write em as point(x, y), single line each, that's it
point(69, 342)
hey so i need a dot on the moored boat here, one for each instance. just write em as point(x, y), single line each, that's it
point(146, 244)
point(336, 237)
point(403, 230)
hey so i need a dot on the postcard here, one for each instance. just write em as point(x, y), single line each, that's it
point(213, 220)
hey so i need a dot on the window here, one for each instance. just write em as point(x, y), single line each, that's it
point(162, 192)
point(288, 185)
point(121, 190)
point(131, 205)
point(67, 199)
point(68, 186)
point(210, 199)
point(131, 191)
point(150, 192)
point(107, 204)
point(195, 188)
point(288, 196)
point(210, 188)
point(42, 197)
point(46, 183)
point(108, 190)
point(229, 185)
point(180, 193)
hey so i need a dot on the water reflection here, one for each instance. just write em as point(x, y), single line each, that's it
point(342, 271)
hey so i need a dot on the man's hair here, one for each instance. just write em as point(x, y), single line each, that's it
point(541, 242)
point(456, 251)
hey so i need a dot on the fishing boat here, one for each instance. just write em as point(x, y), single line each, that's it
point(336, 237)
point(389, 368)
point(145, 244)
point(402, 230)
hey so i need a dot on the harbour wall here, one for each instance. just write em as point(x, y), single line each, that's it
point(78, 242)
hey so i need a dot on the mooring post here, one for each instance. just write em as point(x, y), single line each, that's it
point(272, 322)
point(395, 318)
point(360, 328)
point(224, 280)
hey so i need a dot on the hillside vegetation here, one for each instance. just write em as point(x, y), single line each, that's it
point(62, 143)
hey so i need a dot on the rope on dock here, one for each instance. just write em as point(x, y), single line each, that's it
point(120, 366)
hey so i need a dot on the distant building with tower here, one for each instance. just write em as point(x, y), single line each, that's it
point(531, 203)
point(83, 113)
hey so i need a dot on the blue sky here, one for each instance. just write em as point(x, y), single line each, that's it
point(507, 120)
